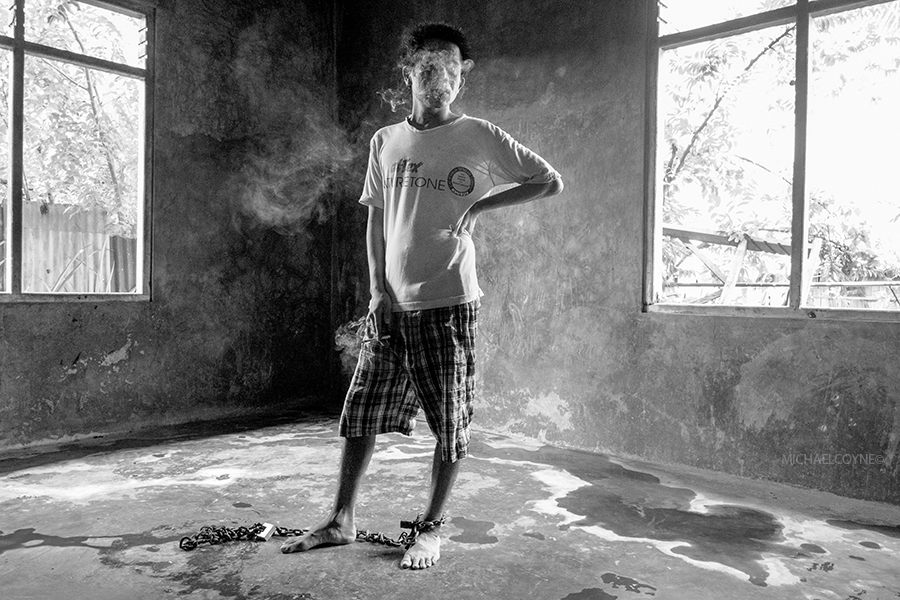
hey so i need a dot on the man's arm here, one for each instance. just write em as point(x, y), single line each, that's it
point(380, 304)
point(520, 194)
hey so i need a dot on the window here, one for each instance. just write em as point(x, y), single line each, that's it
point(73, 78)
point(775, 147)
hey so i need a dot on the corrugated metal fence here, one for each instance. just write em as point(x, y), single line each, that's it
point(65, 250)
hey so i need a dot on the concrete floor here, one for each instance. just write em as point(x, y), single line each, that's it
point(101, 518)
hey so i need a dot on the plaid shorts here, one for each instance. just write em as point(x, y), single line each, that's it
point(428, 362)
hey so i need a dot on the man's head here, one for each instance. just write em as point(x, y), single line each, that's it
point(435, 58)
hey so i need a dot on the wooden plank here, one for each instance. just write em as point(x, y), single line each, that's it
point(736, 264)
point(812, 264)
point(720, 239)
point(707, 261)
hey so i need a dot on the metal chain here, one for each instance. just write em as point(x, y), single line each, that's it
point(214, 535)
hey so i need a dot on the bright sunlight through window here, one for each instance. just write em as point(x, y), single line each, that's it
point(776, 149)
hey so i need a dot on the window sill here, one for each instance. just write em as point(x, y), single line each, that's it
point(775, 312)
point(66, 298)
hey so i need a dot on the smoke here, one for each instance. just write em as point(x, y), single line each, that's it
point(289, 177)
point(396, 97)
point(435, 70)
point(296, 157)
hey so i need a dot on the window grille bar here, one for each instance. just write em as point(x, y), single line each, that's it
point(81, 60)
point(16, 128)
point(818, 8)
point(779, 16)
point(800, 214)
point(653, 137)
point(130, 8)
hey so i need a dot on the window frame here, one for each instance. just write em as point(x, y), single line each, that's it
point(801, 14)
point(20, 47)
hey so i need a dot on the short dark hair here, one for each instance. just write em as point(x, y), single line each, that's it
point(414, 39)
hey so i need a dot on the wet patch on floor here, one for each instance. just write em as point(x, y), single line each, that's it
point(597, 495)
point(590, 594)
point(628, 584)
point(30, 538)
point(474, 532)
point(636, 505)
point(597, 529)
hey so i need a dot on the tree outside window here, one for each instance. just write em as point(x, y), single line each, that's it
point(750, 212)
point(80, 210)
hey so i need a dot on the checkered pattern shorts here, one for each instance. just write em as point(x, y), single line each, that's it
point(428, 362)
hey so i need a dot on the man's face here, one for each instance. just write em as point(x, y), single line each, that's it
point(436, 74)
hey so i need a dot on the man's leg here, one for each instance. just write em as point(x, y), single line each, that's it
point(427, 549)
point(340, 528)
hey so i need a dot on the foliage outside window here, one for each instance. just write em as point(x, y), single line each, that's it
point(73, 79)
point(775, 154)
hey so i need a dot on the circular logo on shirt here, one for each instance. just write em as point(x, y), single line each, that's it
point(461, 181)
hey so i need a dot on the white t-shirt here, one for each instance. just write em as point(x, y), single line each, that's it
point(425, 181)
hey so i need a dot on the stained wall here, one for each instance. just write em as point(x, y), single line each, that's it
point(240, 309)
point(250, 284)
point(567, 354)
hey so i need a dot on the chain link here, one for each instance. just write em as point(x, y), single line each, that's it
point(214, 535)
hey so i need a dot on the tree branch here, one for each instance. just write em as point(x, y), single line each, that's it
point(95, 110)
point(72, 81)
point(719, 98)
point(765, 168)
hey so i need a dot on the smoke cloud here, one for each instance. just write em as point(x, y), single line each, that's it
point(434, 70)
point(289, 178)
point(297, 158)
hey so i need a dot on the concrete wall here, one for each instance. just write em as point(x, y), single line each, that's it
point(249, 286)
point(240, 310)
point(567, 355)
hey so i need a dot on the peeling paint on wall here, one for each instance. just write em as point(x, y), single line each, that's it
point(551, 407)
point(117, 356)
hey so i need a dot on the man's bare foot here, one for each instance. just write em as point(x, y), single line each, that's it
point(425, 553)
point(332, 533)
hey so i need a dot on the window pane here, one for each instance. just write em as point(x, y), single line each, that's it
point(726, 160)
point(5, 225)
point(85, 29)
point(81, 198)
point(854, 125)
point(684, 15)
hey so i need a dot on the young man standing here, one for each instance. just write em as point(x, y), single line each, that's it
point(428, 180)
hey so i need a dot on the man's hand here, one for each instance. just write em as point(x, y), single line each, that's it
point(467, 221)
point(378, 321)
